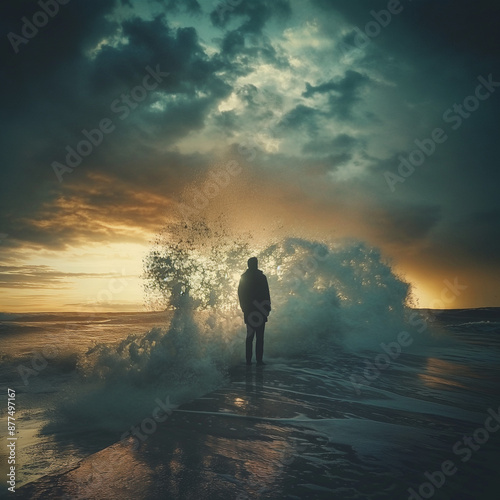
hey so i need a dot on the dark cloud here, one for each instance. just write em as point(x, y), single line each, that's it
point(53, 52)
point(404, 224)
point(302, 118)
point(343, 93)
point(241, 53)
point(474, 237)
point(152, 43)
point(256, 14)
point(349, 84)
point(191, 6)
point(342, 143)
point(233, 43)
point(56, 89)
point(247, 45)
point(456, 24)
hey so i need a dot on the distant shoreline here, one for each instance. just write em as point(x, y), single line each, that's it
point(117, 313)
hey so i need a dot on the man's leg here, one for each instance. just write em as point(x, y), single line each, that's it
point(259, 344)
point(250, 335)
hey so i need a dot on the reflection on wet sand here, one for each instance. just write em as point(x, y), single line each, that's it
point(106, 474)
point(439, 372)
point(228, 447)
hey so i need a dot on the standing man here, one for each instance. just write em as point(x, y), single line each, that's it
point(255, 302)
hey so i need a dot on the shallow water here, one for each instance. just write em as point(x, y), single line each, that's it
point(311, 425)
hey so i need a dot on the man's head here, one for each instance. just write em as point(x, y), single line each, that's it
point(253, 263)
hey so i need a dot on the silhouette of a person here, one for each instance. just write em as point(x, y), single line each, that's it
point(255, 302)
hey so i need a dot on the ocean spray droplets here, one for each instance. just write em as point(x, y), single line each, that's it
point(321, 295)
point(319, 292)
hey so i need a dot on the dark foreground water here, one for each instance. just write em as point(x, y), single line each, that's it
point(413, 418)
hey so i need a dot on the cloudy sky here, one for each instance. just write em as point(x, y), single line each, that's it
point(364, 119)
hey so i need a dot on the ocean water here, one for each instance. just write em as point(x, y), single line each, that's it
point(363, 396)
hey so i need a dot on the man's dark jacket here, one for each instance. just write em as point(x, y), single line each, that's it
point(253, 292)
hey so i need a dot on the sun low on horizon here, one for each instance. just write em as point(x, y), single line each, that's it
point(331, 121)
